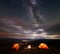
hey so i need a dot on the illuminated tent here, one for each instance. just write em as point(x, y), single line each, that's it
point(43, 46)
point(16, 46)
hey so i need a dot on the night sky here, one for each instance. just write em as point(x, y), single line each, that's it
point(15, 16)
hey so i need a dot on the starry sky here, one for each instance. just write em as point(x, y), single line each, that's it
point(15, 15)
point(50, 9)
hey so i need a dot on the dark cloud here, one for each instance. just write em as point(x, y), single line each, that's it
point(55, 29)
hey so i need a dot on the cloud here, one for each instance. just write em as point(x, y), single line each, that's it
point(10, 25)
point(54, 29)
point(7, 21)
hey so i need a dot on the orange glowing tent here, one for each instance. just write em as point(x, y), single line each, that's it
point(16, 46)
point(43, 46)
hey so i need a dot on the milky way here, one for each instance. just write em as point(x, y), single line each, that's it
point(37, 18)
